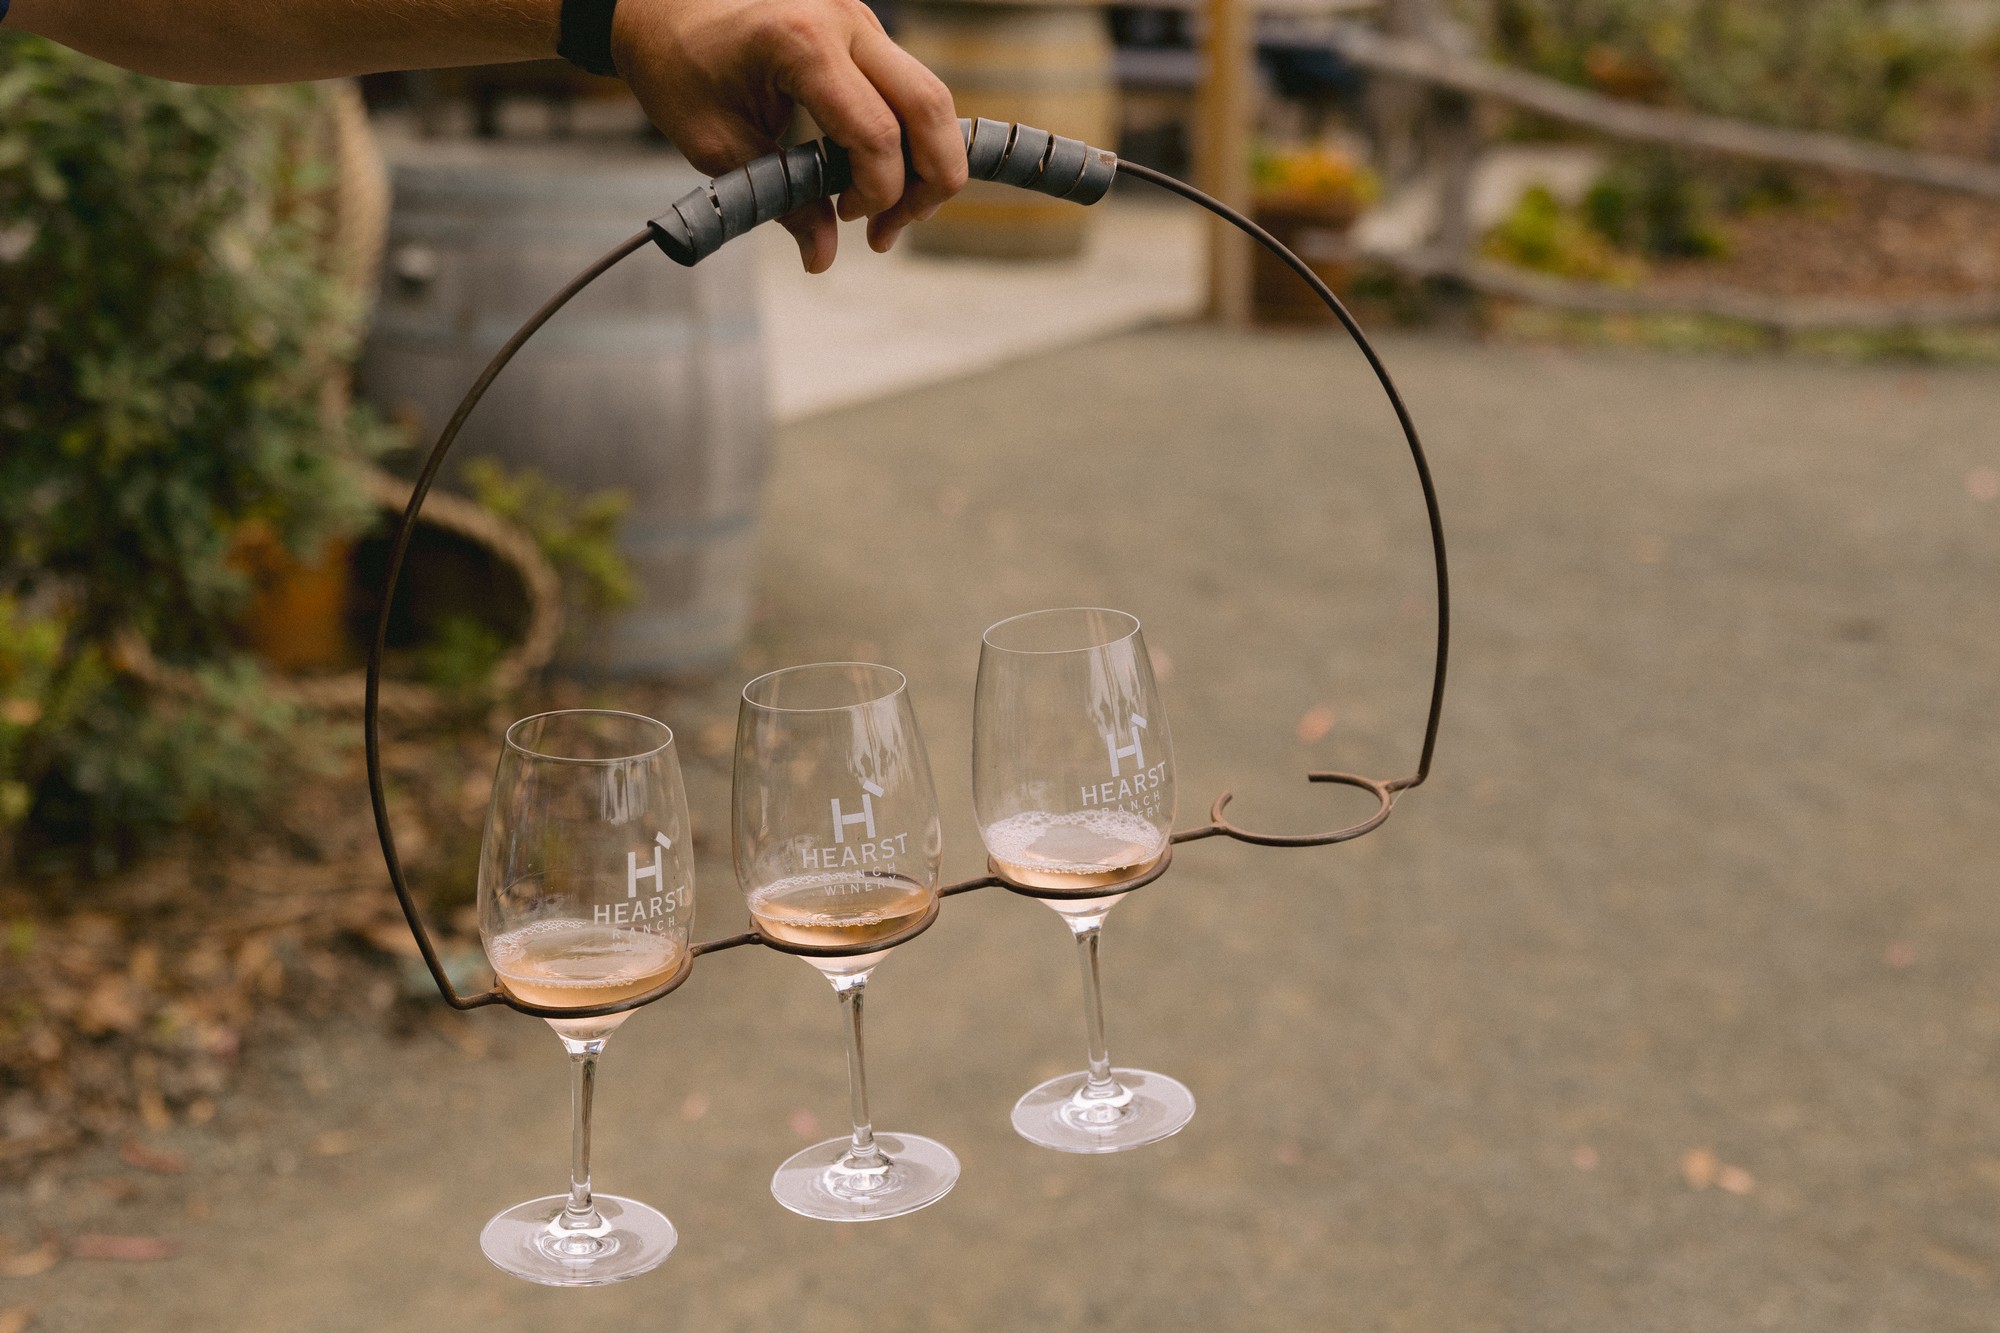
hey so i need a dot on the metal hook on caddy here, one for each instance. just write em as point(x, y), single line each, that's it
point(704, 220)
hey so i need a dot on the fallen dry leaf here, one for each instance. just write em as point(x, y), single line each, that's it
point(129, 1249)
point(160, 1161)
point(1957, 1264)
point(470, 1042)
point(1316, 723)
point(332, 1143)
point(15, 1319)
point(144, 967)
point(1735, 1179)
point(694, 1106)
point(392, 938)
point(29, 1263)
point(110, 1008)
point(475, 792)
point(1699, 1167)
point(33, 1261)
point(153, 1111)
point(31, 1145)
point(1983, 484)
point(1584, 1158)
point(1900, 954)
point(716, 739)
point(804, 1123)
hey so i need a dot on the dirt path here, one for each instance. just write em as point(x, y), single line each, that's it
point(1669, 1005)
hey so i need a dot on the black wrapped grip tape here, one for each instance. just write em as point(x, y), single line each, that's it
point(709, 216)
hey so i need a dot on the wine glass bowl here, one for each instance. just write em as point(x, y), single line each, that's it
point(586, 896)
point(1072, 760)
point(1073, 789)
point(837, 849)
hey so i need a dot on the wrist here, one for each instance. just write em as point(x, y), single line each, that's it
point(583, 35)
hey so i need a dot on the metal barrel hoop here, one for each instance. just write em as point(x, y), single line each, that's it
point(698, 224)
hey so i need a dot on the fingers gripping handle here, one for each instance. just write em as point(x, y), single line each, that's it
point(706, 217)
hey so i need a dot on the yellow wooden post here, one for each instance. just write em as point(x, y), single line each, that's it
point(1226, 115)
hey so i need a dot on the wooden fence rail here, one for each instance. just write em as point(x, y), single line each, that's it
point(1451, 254)
point(1780, 314)
point(1651, 124)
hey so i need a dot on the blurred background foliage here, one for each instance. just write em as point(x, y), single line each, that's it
point(1895, 71)
point(1861, 67)
point(174, 367)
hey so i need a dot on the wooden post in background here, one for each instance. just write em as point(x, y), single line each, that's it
point(1227, 112)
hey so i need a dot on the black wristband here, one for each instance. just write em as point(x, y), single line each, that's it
point(583, 36)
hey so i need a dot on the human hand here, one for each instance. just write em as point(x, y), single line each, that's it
point(720, 77)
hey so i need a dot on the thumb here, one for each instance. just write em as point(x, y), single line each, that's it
point(817, 233)
point(720, 144)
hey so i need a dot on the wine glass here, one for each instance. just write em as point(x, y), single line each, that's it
point(1073, 787)
point(586, 893)
point(837, 848)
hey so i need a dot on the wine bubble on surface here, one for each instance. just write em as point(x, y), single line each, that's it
point(1081, 843)
point(550, 962)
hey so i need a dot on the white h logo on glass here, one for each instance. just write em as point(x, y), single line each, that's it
point(869, 791)
point(1135, 751)
point(634, 872)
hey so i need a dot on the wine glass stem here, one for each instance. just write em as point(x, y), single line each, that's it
point(864, 1153)
point(1099, 1084)
point(580, 1214)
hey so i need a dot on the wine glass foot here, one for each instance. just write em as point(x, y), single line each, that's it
point(634, 1240)
point(1054, 1116)
point(816, 1182)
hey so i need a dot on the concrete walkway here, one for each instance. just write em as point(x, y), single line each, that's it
point(1670, 1004)
point(874, 324)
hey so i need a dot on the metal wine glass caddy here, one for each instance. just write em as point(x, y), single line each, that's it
point(576, 1239)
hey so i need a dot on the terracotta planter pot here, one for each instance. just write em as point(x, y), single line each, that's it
point(296, 620)
point(308, 614)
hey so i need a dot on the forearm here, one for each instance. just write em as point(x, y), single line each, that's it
point(273, 41)
point(720, 77)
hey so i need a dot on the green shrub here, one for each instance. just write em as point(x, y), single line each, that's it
point(1652, 203)
point(1541, 234)
point(1850, 66)
point(578, 533)
point(172, 351)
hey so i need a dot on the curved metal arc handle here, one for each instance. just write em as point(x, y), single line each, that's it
point(1016, 155)
point(1403, 419)
point(399, 548)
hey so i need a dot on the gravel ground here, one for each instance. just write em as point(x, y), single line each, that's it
point(1668, 1004)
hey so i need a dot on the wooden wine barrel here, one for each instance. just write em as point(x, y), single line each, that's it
point(1046, 65)
point(650, 382)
